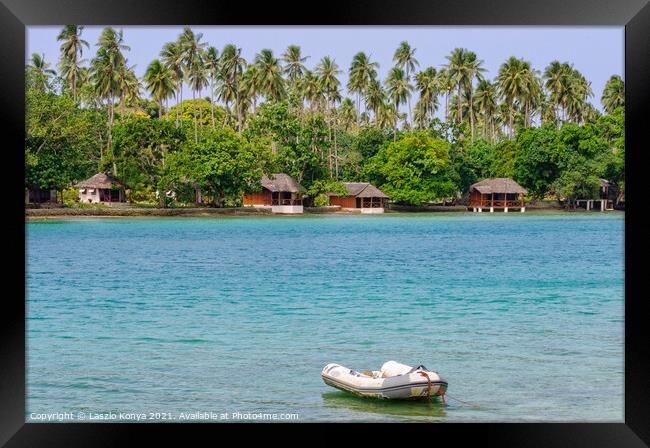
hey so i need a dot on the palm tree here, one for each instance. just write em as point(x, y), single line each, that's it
point(159, 83)
point(108, 74)
point(347, 114)
point(327, 71)
point(40, 71)
point(446, 85)
point(486, 102)
point(128, 86)
point(556, 81)
point(457, 71)
point(512, 80)
point(250, 85)
point(463, 67)
point(271, 83)
point(404, 58)
point(398, 87)
point(212, 70)
point(294, 65)
point(613, 94)
point(192, 50)
point(426, 83)
point(71, 52)
point(578, 92)
point(312, 89)
point(172, 56)
point(361, 73)
point(232, 67)
point(375, 98)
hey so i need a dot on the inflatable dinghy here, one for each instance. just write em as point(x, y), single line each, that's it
point(394, 381)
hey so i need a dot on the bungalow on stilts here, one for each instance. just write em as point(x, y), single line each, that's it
point(497, 194)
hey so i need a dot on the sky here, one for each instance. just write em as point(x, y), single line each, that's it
point(597, 52)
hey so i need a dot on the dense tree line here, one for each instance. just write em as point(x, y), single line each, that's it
point(273, 113)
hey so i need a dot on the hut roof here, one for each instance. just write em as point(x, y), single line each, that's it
point(99, 180)
point(362, 190)
point(280, 182)
point(498, 185)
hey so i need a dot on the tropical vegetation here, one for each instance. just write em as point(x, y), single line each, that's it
point(422, 134)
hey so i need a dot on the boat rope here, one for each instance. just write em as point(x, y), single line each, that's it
point(464, 402)
point(425, 374)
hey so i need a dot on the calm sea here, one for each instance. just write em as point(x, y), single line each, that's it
point(523, 314)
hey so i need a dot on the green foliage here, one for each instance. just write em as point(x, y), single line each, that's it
point(62, 142)
point(223, 164)
point(537, 160)
point(415, 170)
point(299, 147)
point(503, 164)
point(140, 149)
point(203, 110)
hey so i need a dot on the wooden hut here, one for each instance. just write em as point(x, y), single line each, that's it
point(361, 196)
point(281, 192)
point(101, 189)
point(499, 193)
point(607, 197)
point(41, 196)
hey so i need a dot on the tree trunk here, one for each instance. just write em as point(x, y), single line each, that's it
point(460, 109)
point(196, 131)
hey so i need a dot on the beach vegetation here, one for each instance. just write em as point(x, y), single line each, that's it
point(420, 134)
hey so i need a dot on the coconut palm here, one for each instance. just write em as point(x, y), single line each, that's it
point(109, 75)
point(578, 93)
point(271, 83)
point(294, 66)
point(398, 87)
point(557, 77)
point(313, 91)
point(486, 102)
point(327, 71)
point(172, 56)
point(193, 51)
point(361, 72)
point(347, 114)
point(375, 98)
point(40, 71)
point(446, 86)
point(512, 81)
point(458, 72)
point(404, 58)
point(212, 70)
point(71, 51)
point(128, 85)
point(159, 83)
point(613, 94)
point(232, 68)
point(426, 82)
point(250, 85)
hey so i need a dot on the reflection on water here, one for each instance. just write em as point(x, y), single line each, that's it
point(409, 408)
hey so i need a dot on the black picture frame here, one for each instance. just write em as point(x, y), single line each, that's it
point(15, 15)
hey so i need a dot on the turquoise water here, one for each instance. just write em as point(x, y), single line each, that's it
point(521, 313)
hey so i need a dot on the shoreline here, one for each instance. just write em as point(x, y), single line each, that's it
point(48, 213)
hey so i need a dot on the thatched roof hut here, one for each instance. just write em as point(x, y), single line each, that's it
point(360, 195)
point(280, 182)
point(101, 188)
point(362, 190)
point(100, 180)
point(279, 191)
point(497, 193)
point(498, 185)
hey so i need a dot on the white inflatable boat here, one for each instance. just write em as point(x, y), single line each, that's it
point(393, 381)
